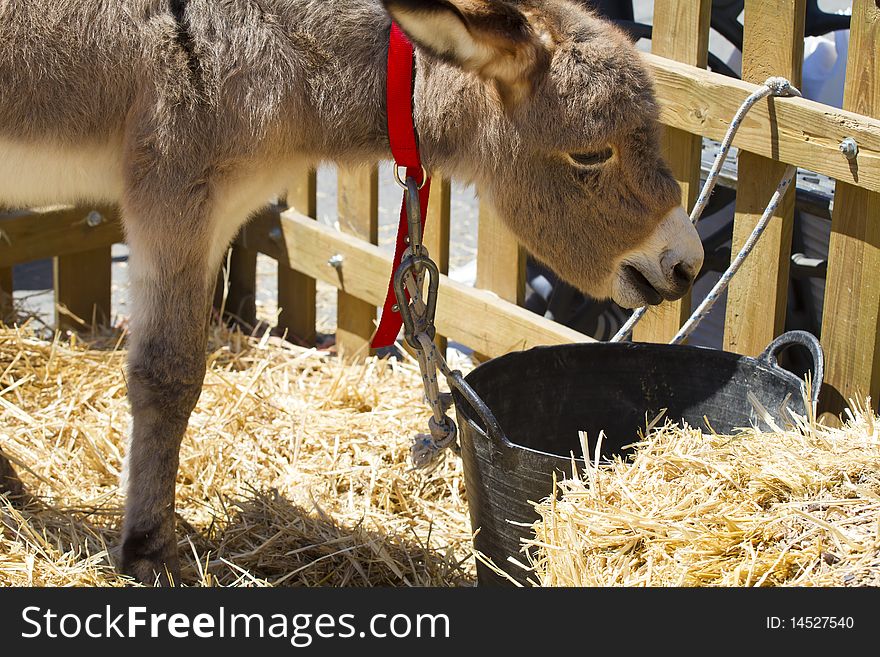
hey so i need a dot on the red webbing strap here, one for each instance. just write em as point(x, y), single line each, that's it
point(402, 135)
point(399, 90)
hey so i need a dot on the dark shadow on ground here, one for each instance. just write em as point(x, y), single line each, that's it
point(265, 536)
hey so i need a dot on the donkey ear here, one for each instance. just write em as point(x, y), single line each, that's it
point(491, 38)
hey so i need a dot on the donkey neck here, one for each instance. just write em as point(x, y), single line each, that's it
point(345, 96)
point(338, 103)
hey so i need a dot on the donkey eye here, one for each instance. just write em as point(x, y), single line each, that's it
point(591, 159)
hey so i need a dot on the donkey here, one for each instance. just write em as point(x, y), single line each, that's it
point(191, 115)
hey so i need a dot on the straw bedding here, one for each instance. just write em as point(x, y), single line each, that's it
point(794, 507)
point(294, 471)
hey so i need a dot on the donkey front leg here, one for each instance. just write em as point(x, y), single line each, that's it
point(171, 284)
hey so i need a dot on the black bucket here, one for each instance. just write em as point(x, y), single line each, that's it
point(520, 423)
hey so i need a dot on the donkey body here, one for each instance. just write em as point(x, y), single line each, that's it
point(190, 114)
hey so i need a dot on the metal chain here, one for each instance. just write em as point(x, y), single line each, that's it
point(417, 307)
point(774, 86)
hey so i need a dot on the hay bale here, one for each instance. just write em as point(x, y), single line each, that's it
point(294, 470)
point(796, 507)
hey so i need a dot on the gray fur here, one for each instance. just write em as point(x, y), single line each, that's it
point(209, 103)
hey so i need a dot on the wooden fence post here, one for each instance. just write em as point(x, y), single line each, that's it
point(681, 32)
point(6, 288)
point(436, 238)
point(241, 300)
point(757, 297)
point(358, 216)
point(296, 291)
point(501, 261)
point(82, 288)
point(851, 320)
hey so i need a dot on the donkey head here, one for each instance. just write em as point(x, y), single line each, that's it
point(551, 111)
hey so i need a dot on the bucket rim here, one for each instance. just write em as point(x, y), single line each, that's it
point(464, 409)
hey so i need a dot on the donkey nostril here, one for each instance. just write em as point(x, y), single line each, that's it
point(682, 275)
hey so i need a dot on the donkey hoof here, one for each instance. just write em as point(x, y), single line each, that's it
point(150, 560)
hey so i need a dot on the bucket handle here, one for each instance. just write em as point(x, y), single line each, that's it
point(804, 339)
point(490, 422)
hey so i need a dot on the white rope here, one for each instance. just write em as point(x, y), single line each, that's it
point(774, 86)
point(428, 450)
point(706, 305)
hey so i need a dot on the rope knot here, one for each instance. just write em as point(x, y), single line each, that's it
point(427, 450)
point(780, 86)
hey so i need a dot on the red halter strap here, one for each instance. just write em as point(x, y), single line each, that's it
point(405, 149)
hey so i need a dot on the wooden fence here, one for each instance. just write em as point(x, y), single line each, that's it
point(695, 103)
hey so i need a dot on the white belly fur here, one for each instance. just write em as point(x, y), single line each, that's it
point(46, 174)
point(34, 174)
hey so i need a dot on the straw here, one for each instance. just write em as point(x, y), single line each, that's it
point(295, 470)
point(797, 507)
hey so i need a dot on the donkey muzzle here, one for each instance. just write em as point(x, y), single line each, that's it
point(664, 267)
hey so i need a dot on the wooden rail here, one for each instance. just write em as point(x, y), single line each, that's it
point(38, 233)
point(791, 130)
point(79, 241)
point(474, 317)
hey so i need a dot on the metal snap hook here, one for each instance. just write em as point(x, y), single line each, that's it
point(413, 320)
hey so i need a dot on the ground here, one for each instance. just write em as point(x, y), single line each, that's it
point(295, 470)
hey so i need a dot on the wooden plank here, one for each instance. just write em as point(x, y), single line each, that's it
point(358, 216)
point(38, 233)
point(436, 238)
point(757, 298)
point(501, 261)
point(82, 275)
point(792, 130)
point(6, 285)
point(297, 312)
point(681, 32)
point(80, 240)
point(474, 317)
point(6, 288)
point(851, 320)
point(82, 289)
